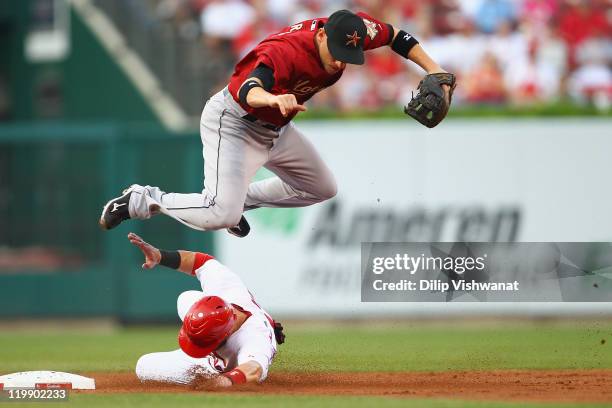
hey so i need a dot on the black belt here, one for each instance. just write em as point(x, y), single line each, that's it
point(253, 119)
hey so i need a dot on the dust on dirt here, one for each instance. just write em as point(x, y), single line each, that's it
point(498, 385)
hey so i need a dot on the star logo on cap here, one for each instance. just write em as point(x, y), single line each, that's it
point(353, 39)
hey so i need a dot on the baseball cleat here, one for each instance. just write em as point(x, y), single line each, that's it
point(116, 210)
point(242, 229)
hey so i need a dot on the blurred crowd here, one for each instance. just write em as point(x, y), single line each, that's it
point(503, 51)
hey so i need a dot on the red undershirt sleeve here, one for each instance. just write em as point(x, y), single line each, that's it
point(200, 259)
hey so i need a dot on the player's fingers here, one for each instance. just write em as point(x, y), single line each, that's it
point(282, 108)
point(292, 106)
point(135, 241)
point(134, 236)
point(291, 99)
point(142, 246)
point(301, 108)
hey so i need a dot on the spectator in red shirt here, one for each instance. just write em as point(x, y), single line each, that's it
point(579, 22)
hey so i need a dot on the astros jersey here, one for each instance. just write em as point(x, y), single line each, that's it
point(293, 56)
point(255, 339)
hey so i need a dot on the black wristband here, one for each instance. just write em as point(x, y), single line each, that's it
point(403, 43)
point(170, 259)
point(245, 88)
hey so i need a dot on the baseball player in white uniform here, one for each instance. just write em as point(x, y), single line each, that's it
point(226, 338)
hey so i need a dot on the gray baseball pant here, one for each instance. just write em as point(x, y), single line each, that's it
point(234, 149)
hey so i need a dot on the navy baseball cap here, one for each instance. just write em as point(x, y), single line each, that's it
point(346, 33)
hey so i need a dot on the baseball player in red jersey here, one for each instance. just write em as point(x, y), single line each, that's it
point(226, 337)
point(248, 125)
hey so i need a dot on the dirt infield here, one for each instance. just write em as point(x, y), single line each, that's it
point(502, 385)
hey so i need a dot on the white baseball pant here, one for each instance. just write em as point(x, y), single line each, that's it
point(176, 366)
point(234, 149)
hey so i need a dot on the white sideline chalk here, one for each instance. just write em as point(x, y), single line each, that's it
point(46, 379)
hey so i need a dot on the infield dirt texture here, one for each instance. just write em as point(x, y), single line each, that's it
point(396, 364)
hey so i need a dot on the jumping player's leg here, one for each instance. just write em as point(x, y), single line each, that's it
point(175, 367)
point(302, 179)
point(231, 158)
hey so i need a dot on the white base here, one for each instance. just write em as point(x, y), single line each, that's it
point(46, 379)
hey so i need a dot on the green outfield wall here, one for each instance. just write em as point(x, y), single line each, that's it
point(54, 180)
point(86, 84)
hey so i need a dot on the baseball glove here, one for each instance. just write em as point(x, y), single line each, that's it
point(278, 333)
point(430, 105)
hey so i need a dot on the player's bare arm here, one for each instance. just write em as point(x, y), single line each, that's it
point(418, 55)
point(258, 97)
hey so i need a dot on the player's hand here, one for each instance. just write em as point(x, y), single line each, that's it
point(211, 383)
point(286, 103)
point(221, 382)
point(151, 254)
point(446, 88)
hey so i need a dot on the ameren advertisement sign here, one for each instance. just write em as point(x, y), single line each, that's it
point(464, 181)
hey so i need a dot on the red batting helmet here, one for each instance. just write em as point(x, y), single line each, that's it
point(207, 323)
